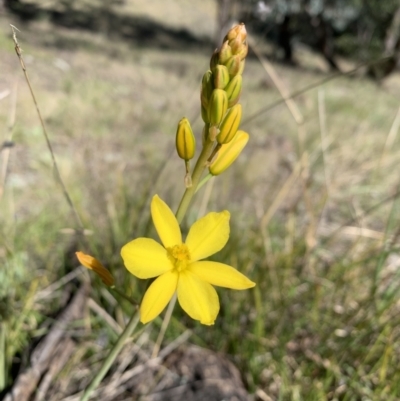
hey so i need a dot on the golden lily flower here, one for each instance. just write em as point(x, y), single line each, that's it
point(93, 264)
point(178, 267)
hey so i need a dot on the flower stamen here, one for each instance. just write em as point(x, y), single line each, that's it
point(179, 256)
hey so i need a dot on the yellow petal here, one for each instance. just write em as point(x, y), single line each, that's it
point(220, 275)
point(145, 258)
point(208, 235)
point(165, 222)
point(157, 296)
point(93, 264)
point(197, 298)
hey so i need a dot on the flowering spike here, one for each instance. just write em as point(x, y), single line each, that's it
point(230, 124)
point(229, 153)
point(185, 141)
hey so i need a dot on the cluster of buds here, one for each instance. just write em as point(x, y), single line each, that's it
point(220, 92)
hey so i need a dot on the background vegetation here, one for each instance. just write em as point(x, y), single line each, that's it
point(314, 199)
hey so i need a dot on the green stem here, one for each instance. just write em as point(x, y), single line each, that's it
point(204, 181)
point(111, 357)
point(197, 173)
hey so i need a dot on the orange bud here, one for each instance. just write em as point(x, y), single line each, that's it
point(93, 264)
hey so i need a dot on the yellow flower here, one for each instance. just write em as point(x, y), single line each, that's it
point(93, 264)
point(178, 267)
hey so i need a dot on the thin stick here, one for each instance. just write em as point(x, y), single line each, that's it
point(53, 159)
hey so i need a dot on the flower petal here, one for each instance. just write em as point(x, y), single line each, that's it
point(208, 235)
point(157, 296)
point(145, 258)
point(197, 298)
point(165, 222)
point(93, 264)
point(220, 275)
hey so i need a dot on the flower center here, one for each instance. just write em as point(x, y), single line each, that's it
point(179, 256)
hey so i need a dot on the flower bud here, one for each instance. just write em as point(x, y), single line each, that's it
point(221, 76)
point(233, 65)
point(93, 264)
point(230, 124)
point(217, 106)
point(229, 153)
point(207, 87)
point(233, 90)
point(241, 67)
point(214, 59)
point(225, 53)
point(237, 31)
point(242, 53)
point(185, 141)
point(204, 114)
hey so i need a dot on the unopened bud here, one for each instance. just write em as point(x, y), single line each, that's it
point(229, 153)
point(233, 90)
point(233, 65)
point(230, 124)
point(221, 76)
point(204, 114)
point(214, 59)
point(93, 264)
point(217, 106)
point(207, 87)
point(185, 141)
point(241, 67)
point(225, 53)
point(242, 53)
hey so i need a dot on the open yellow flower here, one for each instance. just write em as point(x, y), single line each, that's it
point(178, 267)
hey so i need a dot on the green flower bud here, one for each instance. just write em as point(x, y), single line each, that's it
point(229, 153)
point(233, 65)
point(221, 76)
point(214, 59)
point(207, 87)
point(204, 114)
point(225, 53)
point(230, 124)
point(185, 141)
point(217, 106)
point(233, 90)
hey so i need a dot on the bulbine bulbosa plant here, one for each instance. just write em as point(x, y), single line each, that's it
point(177, 265)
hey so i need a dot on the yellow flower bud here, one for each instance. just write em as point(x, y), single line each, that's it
point(233, 90)
point(221, 76)
point(241, 67)
point(230, 124)
point(93, 264)
point(217, 106)
point(185, 141)
point(229, 153)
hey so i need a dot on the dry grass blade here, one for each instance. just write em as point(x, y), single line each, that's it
point(50, 148)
